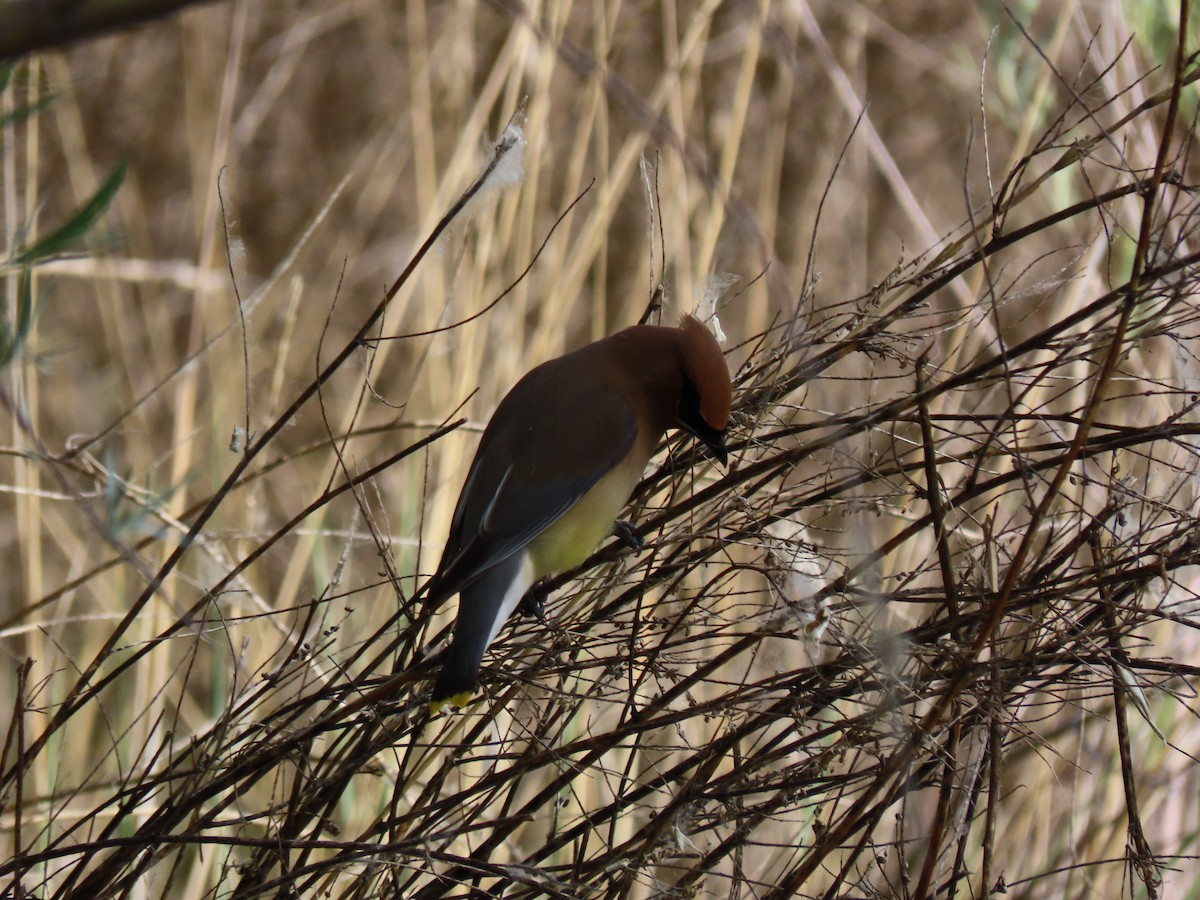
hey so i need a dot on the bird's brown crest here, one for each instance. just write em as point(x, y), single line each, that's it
point(705, 365)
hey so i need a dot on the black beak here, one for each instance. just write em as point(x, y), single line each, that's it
point(716, 443)
point(691, 421)
point(712, 439)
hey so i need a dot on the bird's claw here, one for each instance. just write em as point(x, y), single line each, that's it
point(534, 603)
point(628, 536)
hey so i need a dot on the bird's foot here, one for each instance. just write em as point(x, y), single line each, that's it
point(628, 536)
point(534, 602)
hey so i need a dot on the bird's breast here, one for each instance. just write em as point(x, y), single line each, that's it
point(575, 534)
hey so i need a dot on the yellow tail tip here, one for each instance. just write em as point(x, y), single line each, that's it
point(462, 698)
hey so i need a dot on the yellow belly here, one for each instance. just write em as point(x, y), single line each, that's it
point(567, 542)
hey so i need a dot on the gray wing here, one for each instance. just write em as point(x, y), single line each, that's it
point(547, 445)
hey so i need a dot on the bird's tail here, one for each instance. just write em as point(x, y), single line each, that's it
point(460, 671)
point(483, 607)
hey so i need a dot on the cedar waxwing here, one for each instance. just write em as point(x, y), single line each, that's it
point(563, 452)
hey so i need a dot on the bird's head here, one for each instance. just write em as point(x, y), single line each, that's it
point(707, 393)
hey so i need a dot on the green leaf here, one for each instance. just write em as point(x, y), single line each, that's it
point(71, 232)
point(25, 112)
point(13, 335)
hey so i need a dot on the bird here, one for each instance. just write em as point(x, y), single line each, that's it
point(555, 465)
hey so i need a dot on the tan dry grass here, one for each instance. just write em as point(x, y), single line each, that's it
point(612, 761)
